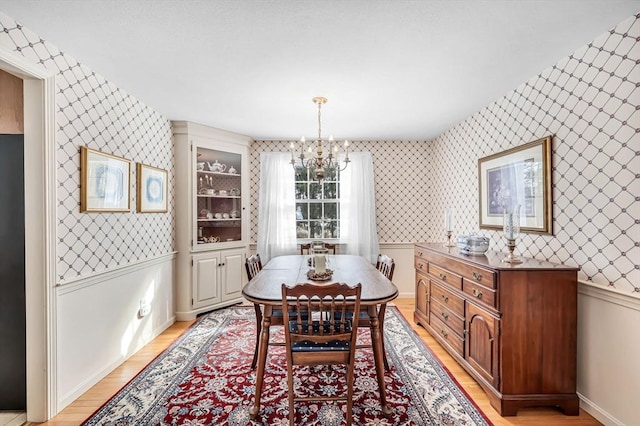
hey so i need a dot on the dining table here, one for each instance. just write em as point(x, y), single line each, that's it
point(265, 292)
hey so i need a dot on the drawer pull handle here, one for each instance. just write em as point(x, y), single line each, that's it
point(420, 253)
point(443, 277)
point(444, 333)
point(445, 298)
point(477, 293)
point(477, 276)
point(420, 265)
point(444, 315)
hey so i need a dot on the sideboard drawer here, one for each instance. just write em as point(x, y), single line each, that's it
point(447, 298)
point(445, 275)
point(421, 264)
point(443, 331)
point(448, 317)
point(479, 293)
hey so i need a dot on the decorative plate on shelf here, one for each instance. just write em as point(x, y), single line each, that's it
point(320, 276)
point(235, 192)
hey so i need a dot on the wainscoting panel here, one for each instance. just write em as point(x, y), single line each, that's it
point(608, 355)
point(99, 323)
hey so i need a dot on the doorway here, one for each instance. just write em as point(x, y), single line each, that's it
point(39, 231)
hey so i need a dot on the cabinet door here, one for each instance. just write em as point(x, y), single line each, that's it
point(206, 279)
point(220, 195)
point(482, 342)
point(422, 294)
point(232, 274)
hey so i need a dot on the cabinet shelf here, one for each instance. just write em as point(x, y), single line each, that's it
point(219, 196)
point(206, 172)
point(230, 219)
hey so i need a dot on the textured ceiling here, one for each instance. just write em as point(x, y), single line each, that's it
point(403, 70)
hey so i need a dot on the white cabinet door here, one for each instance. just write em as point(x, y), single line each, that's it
point(233, 271)
point(206, 279)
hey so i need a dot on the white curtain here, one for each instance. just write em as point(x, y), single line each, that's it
point(276, 204)
point(358, 208)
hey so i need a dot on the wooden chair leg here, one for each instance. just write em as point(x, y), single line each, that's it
point(258, 330)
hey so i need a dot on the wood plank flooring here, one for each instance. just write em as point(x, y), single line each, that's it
point(91, 400)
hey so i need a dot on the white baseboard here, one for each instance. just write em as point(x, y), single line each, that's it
point(598, 413)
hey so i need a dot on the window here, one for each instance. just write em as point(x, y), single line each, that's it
point(317, 205)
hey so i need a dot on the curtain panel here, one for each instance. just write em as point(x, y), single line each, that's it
point(276, 202)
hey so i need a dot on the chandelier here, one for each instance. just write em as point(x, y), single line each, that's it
point(319, 165)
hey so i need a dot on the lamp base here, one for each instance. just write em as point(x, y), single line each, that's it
point(511, 258)
point(449, 243)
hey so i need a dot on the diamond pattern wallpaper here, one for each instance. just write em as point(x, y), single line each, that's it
point(590, 103)
point(401, 170)
point(93, 112)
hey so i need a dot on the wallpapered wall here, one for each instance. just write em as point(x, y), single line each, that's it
point(95, 113)
point(401, 171)
point(589, 101)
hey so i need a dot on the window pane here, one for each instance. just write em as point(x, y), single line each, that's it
point(330, 191)
point(301, 174)
point(330, 210)
point(302, 229)
point(331, 229)
point(315, 191)
point(331, 174)
point(302, 211)
point(316, 229)
point(315, 211)
point(301, 191)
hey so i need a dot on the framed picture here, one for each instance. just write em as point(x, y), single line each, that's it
point(104, 182)
point(151, 189)
point(518, 176)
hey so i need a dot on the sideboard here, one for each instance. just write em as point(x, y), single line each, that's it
point(512, 327)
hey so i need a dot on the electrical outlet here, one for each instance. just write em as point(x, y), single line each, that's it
point(145, 309)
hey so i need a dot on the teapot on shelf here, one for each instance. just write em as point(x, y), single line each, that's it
point(232, 170)
point(217, 167)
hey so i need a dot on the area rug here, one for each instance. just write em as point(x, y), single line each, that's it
point(205, 378)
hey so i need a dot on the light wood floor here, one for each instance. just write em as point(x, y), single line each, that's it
point(91, 400)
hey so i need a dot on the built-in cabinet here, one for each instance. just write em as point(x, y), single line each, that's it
point(212, 217)
point(513, 327)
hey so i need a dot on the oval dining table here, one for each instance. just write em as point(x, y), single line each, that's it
point(265, 291)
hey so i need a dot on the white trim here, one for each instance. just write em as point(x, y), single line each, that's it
point(40, 235)
point(609, 295)
point(84, 281)
point(598, 413)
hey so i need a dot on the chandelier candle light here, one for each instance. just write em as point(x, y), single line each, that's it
point(448, 227)
point(319, 164)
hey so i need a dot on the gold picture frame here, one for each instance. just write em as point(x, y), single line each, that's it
point(104, 182)
point(520, 175)
point(151, 189)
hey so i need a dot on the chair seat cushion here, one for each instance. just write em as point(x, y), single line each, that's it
point(309, 346)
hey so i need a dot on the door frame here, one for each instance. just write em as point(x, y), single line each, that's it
point(40, 231)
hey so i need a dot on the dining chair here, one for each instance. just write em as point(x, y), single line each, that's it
point(385, 265)
point(253, 264)
point(319, 330)
point(307, 247)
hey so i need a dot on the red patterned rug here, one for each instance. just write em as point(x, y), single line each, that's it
point(205, 378)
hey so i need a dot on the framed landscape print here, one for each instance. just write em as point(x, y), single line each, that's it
point(518, 176)
point(151, 189)
point(104, 182)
